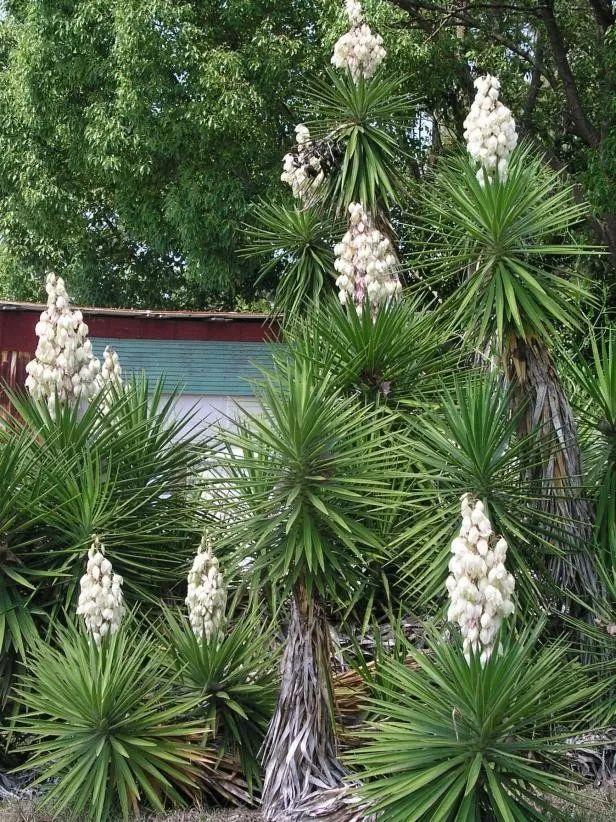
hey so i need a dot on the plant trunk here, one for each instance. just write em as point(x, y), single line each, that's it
point(536, 386)
point(300, 747)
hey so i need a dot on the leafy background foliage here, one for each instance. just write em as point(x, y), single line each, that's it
point(133, 164)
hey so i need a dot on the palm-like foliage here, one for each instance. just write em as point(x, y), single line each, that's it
point(119, 468)
point(365, 122)
point(597, 381)
point(597, 629)
point(457, 741)
point(401, 353)
point(295, 243)
point(233, 677)
point(310, 473)
point(18, 582)
point(501, 243)
point(106, 726)
point(470, 445)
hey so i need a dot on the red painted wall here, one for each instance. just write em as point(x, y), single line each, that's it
point(17, 326)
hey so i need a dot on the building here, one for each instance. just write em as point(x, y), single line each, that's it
point(213, 357)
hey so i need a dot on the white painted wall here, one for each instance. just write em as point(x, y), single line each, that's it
point(214, 410)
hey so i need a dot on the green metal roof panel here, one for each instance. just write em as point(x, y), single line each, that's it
point(198, 366)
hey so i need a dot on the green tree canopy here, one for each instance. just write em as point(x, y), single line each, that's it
point(136, 134)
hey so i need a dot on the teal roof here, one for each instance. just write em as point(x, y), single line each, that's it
point(197, 366)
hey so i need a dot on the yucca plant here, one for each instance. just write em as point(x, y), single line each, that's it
point(296, 244)
point(455, 740)
point(105, 728)
point(233, 675)
point(358, 133)
point(401, 354)
point(366, 122)
point(119, 467)
point(310, 475)
point(470, 444)
point(501, 244)
point(397, 360)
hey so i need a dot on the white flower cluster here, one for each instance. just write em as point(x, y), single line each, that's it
point(100, 601)
point(302, 168)
point(480, 588)
point(489, 131)
point(365, 263)
point(354, 11)
point(359, 50)
point(111, 370)
point(64, 364)
point(207, 594)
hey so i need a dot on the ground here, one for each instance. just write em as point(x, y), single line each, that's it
point(601, 808)
point(26, 812)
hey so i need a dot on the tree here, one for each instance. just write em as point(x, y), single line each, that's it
point(494, 237)
point(306, 481)
point(313, 475)
point(134, 136)
point(557, 61)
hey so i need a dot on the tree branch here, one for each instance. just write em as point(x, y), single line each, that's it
point(461, 17)
point(602, 9)
point(581, 124)
point(534, 86)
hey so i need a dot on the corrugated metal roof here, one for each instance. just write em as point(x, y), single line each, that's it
point(208, 316)
point(198, 366)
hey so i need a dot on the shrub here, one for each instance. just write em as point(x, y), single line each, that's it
point(119, 469)
point(455, 740)
point(233, 680)
point(106, 726)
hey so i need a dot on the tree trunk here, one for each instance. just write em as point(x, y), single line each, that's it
point(300, 747)
point(536, 386)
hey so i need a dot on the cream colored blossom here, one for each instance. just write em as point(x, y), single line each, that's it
point(358, 50)
point(489, 131)
point(207, 595)
point(101, 602)
point(64, 366)
point(366, 263)
point(109, 379)
point(479, 586)
point(111, 370)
